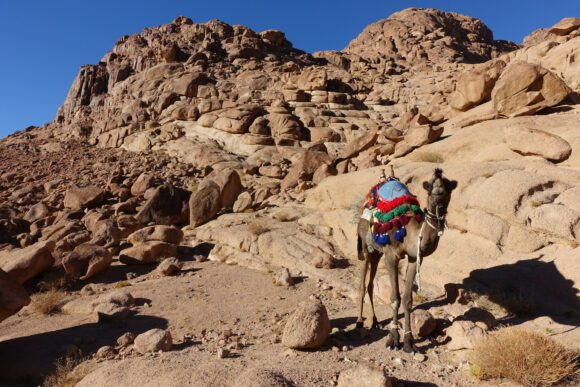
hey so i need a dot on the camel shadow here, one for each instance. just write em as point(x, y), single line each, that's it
point(29, 359)
point(354, 337)
point(526, 289)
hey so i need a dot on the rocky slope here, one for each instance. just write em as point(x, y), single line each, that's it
point(195, 141)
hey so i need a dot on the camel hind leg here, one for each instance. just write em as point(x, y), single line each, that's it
point(362, 287)
point(393, 339)
point(374, 263)
point(408, 345)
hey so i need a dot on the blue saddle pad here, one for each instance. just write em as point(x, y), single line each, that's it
point(393, 189)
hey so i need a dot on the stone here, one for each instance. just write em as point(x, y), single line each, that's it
point(37, 212)
point(525, 89)
point(308, 327)
point(364, 375)
point(475, 87)
point(230, 186)
point(154, 340)
point(565, 26)
point(169, 266)
point(283, 278)
point(110, 312)
point(119, 298)
point(167, 234)
point(476, 315)
point(304, 167)
point(142, 184)
point(464, 334)
point(24, 264)
point(106, 353)
point(535, 142)
point(86, 261)
point(126, 339)
point(80, 198)
point(205, 203)
point(147, 252)
point(13, 296)
point(243, 202)
point(168, 205)
point(418, 136)
point(422, 323)
point(359, 144)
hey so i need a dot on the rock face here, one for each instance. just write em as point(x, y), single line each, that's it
point(534, 142)
point(308, 327)
point(13, 297)
point(525, 88)
point(153, 340)
point(24, 264)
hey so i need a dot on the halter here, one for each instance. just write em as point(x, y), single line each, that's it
point(440, 226)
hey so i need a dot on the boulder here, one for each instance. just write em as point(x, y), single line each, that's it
point(13, 296)
point(475, 87)
point(168, 234)
point(87, 260)
point(525, 88)
point(565, 26)
point(283, 278)
point(142, 184)
point(24, 264)
point(168, 205)
point(205, 203)
point(37, 212)
point(308, 327)
point(464, 334)
point(169, 266)
point(147, 252)
point(154, 340)
point(422, 323)
point(364, 375)
point(243, 202)
point(535, 142)
point(418, 136)
point(230, 186)
point(303, 169)
point(359, 144)
point(80, 198)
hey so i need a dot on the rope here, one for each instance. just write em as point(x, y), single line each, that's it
point(418, 266)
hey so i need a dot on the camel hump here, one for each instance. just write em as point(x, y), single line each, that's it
point(393, 189)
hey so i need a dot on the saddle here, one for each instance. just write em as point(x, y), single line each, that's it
point(396, 206)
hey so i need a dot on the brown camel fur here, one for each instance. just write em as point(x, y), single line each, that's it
point(439, 194)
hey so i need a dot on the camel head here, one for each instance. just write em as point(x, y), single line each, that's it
point(439, 192)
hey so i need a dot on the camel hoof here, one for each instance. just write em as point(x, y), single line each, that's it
point(359, 325)
point(393, 341)
point(376, 325)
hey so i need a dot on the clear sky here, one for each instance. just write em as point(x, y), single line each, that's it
point(43, 43)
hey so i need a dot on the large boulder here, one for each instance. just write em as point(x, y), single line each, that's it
point(142, 184)
point(168, 205)
point(230, 186)
point(475, 87)
point(87, 260)
point(80, 198)
point(154, 340)
point(205, 203)
point(308, 327)
point(525, 88)
point(534, 142)
point(13, 297)
point(147, 252)
point(303, 169)
point(168, 234)
point(364, 375)
point(24, 264)
point(359, 144)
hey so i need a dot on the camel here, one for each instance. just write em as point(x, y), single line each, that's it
point(425, 234)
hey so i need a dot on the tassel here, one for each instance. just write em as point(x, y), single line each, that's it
point(403, 231)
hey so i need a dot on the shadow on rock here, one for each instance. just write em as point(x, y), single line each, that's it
point(29, 359)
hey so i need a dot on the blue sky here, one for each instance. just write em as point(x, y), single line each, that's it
point(43, 43)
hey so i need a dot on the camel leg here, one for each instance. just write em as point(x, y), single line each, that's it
point(392, 267)
point(374, 261)
point(408, 304)
point(363, 277)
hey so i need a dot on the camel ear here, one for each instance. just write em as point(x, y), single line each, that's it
point(451, 185)
point(428, 186)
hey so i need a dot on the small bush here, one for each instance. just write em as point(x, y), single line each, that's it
point(525, 357)
point(68, 371)
point(48, 302)
point(428, 157)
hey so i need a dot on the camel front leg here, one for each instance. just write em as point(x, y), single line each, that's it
point(363, 277)
point(392, 267)
point(374, 261)
point(408, 345)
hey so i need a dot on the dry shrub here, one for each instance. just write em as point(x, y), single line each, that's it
point(258, 227)
point(525, 357)
point(48, 302)
point(68, 371)
point(428, 157)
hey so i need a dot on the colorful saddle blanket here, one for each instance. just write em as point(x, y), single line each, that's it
point(395, 208)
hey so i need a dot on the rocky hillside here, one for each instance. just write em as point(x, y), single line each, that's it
point(189, 142)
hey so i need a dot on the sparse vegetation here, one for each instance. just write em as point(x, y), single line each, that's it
point(258, 227)
point(428, 157)
point(48, 302)
point(122, 284)
point(525, 357)
point(68, 372)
